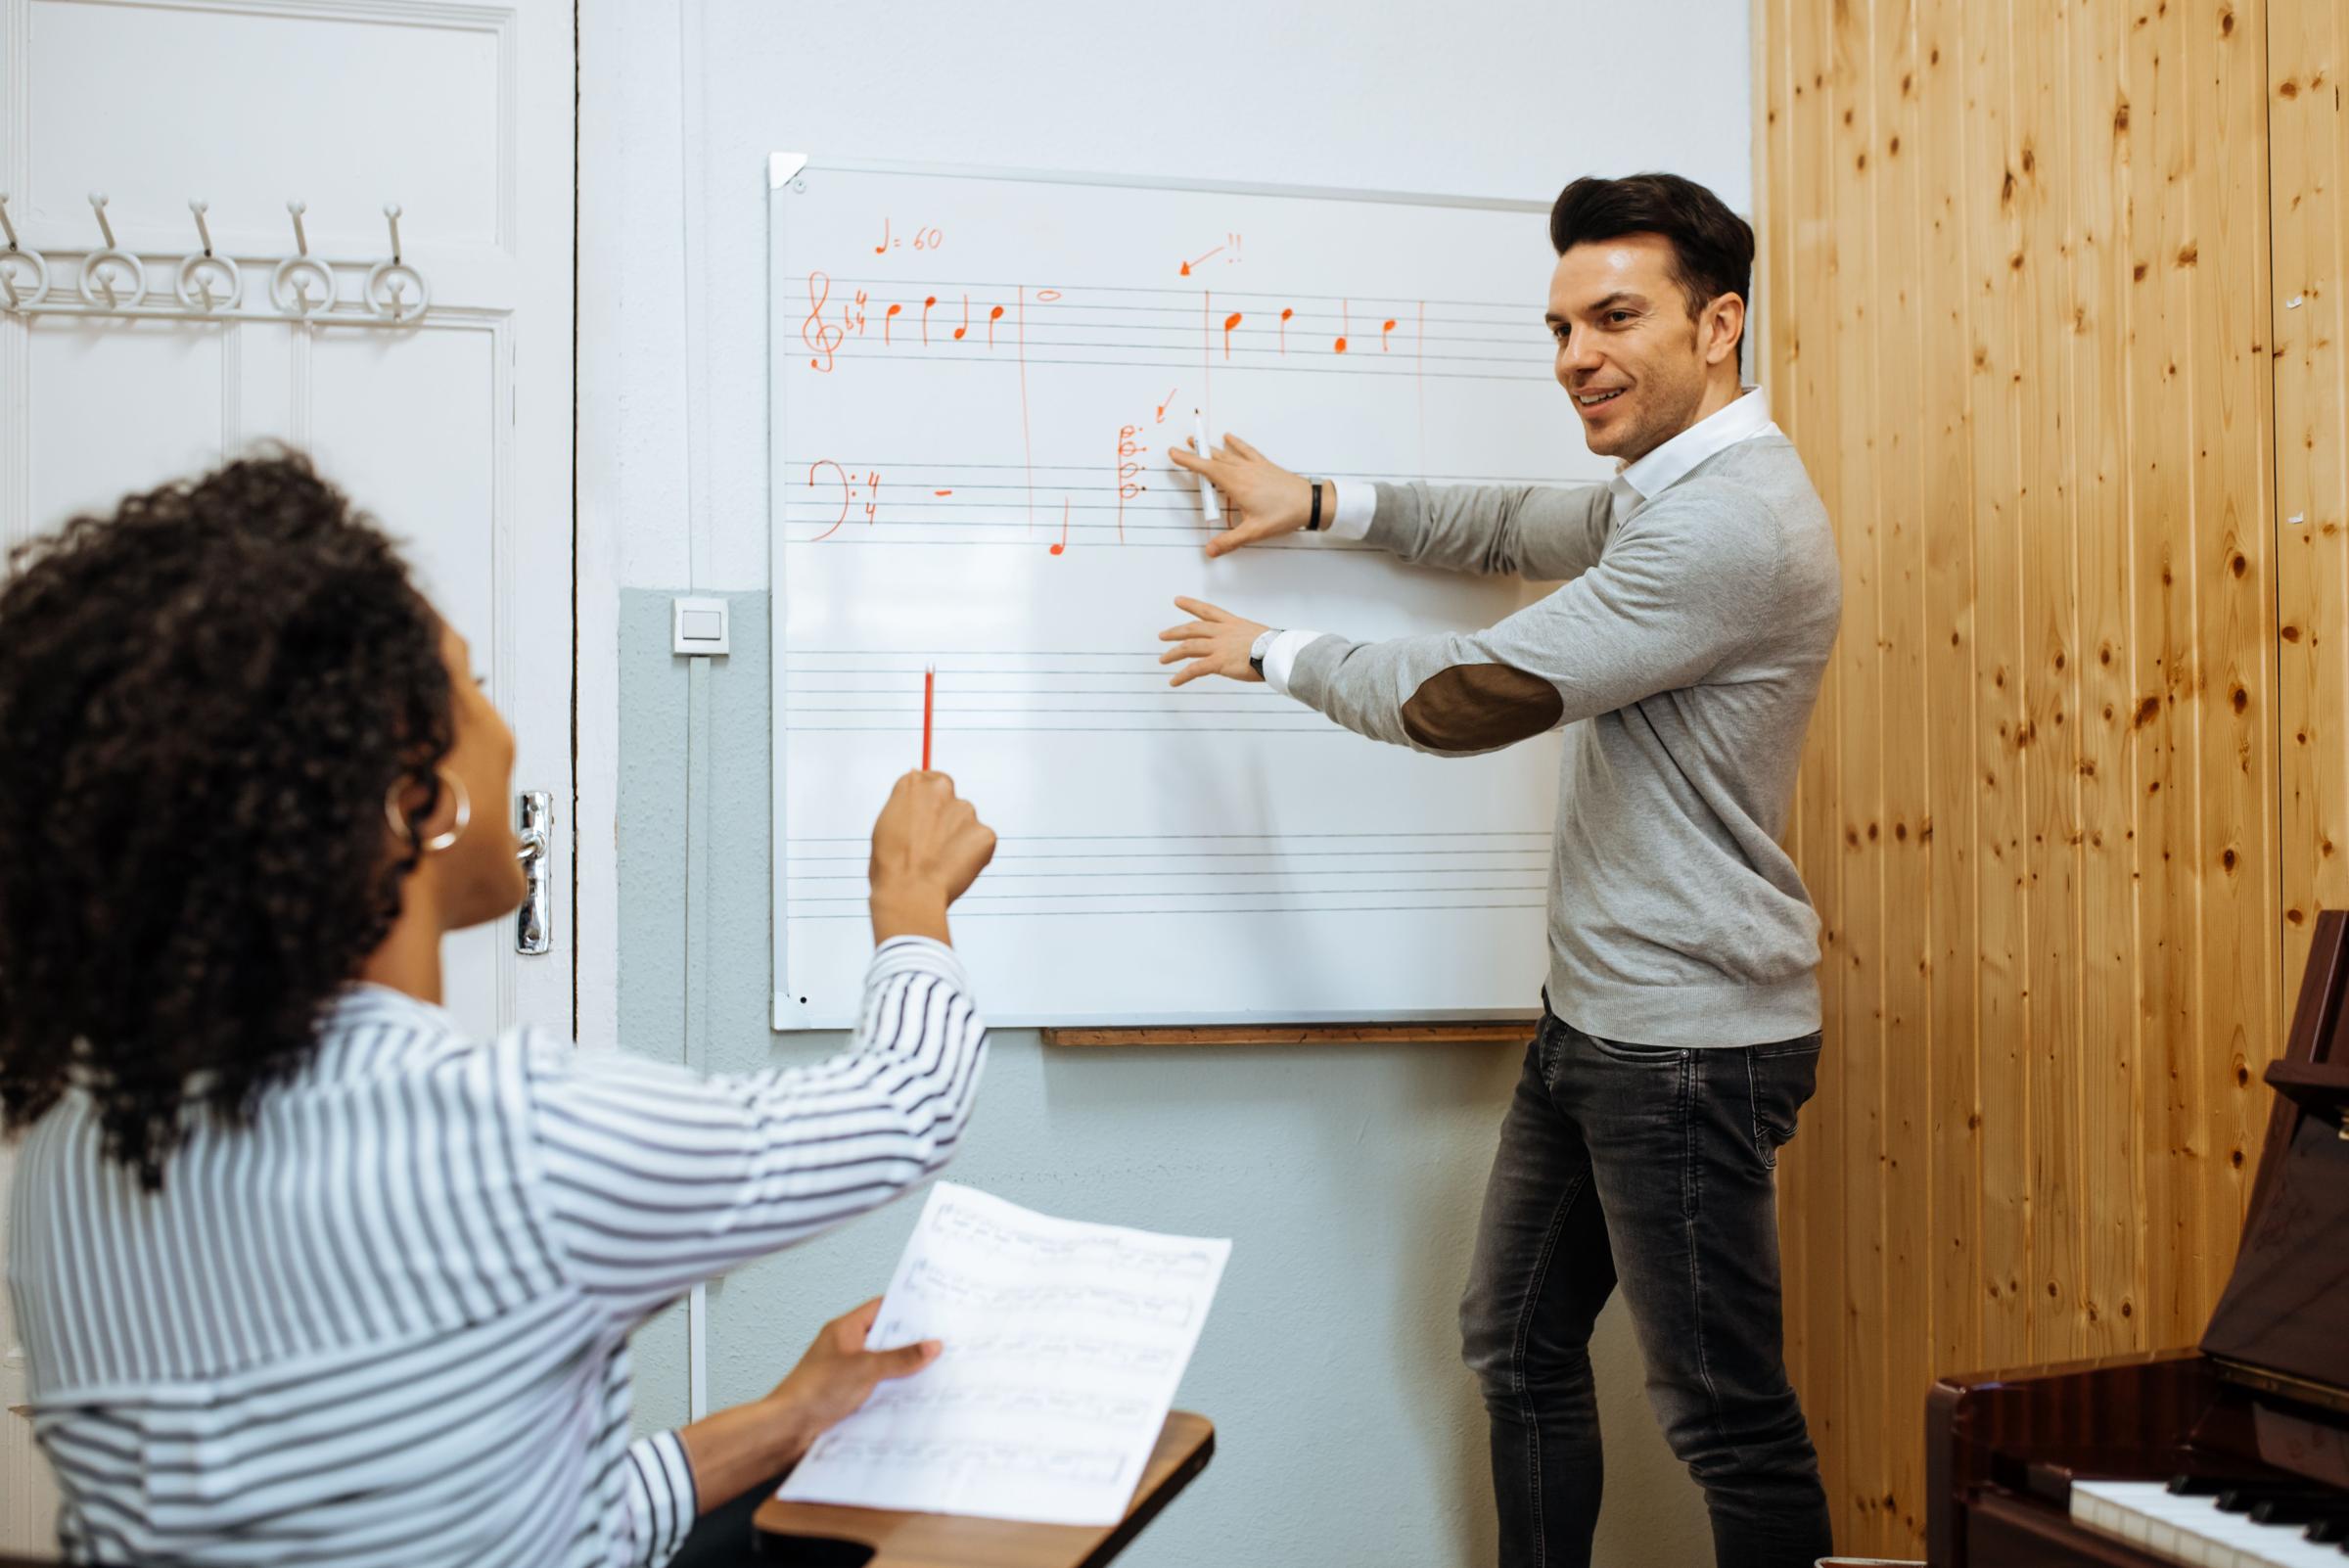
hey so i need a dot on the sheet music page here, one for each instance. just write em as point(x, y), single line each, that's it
point(1064, 1343)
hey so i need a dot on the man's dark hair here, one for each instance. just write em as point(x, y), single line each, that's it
point(205, 698)
point(1712, 246)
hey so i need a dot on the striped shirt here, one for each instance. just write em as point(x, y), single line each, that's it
point(389, 1322)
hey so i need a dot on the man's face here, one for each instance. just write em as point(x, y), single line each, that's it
point(1634, 362)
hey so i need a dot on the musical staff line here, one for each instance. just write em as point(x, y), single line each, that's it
point(960, 913)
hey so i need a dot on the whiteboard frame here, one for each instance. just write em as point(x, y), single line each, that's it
point(785, 172)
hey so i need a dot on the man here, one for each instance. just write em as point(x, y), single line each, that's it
point(1680, 1035)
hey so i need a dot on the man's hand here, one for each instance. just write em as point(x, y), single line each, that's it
point(1217, 643)
point(928, 848)
point(1261, 500)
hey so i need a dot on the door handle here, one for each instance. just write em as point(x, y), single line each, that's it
point(533, 924)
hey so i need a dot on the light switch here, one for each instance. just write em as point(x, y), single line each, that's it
point(698, 628)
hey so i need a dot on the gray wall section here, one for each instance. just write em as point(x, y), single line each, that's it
point(1349, 1178)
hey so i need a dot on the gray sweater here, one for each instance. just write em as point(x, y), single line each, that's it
point(1684, 656)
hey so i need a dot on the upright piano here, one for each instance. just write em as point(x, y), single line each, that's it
point(2233, 1454)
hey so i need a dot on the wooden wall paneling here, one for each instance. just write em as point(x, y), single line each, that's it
point(1904, 1338)
point(1808, 359)
point(2111, 1102)
point(1949, 833)
point(1994, 243)
point(2233, 601)
point(2308, 163)
point(1860, 712)
point(2046, 752)
point(2160, 445)
point(2049, 470)
point(1773, 150)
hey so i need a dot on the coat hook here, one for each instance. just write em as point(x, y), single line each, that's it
point(5, 225)
point(391, 217)
point(302, 241)
point(99, 267)
point(201, 272)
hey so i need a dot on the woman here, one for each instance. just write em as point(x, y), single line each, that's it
point(305, 1273)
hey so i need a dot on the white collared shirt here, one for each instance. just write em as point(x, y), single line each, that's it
point(1635, 485)
point(1645, 479)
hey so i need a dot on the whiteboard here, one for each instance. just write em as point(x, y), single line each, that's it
point(975, 377)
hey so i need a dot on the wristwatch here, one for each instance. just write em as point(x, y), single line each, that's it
point(1259, 648)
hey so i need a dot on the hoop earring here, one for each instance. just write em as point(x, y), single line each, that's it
point(401, 826)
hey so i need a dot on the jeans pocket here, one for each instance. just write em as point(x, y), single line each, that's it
point(1639, 1055)
point(1781, 1079)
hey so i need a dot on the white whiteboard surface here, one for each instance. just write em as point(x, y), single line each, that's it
point(975, 376)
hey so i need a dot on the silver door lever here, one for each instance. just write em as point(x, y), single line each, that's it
point(533, 923)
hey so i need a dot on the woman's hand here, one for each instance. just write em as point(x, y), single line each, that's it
point(1261, 500)
point(837, 1374)
point(927, 848)
point(747, 1445)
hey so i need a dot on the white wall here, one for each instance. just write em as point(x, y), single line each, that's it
point(1492, 97)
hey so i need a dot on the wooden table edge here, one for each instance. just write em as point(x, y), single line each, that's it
point(775, 1517)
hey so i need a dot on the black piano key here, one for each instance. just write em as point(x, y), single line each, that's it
point(2295, 1510)
point(2324, 1532)
point(2243, 1498)
point(2203, 1486)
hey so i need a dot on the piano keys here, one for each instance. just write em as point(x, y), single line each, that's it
point(2232, 1454)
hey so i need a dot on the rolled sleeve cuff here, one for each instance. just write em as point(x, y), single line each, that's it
point(662, 1496)
point(1281, 656)
point(1354, 506)
point(921, 956)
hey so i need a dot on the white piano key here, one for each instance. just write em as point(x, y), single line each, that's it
point(2191, 1531)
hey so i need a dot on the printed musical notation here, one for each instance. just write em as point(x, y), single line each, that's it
point(1063, 1344)
point(1095, 1250)
point(970, 1459)
point(1061, 1404)
point(1103, 1304)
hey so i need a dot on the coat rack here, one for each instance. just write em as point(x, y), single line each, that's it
point(204, 285)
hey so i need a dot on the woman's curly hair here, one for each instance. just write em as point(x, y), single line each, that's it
point(203, 702)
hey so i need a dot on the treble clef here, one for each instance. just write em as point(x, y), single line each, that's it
point(820, 337)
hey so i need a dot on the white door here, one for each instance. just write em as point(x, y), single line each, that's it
point(455, 432)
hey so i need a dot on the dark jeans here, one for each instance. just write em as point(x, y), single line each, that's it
point(723, 1538)
point(1652, 1168)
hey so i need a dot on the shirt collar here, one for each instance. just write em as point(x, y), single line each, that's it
point(1746, 416)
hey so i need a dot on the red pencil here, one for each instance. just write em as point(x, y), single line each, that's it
point(929, 702)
